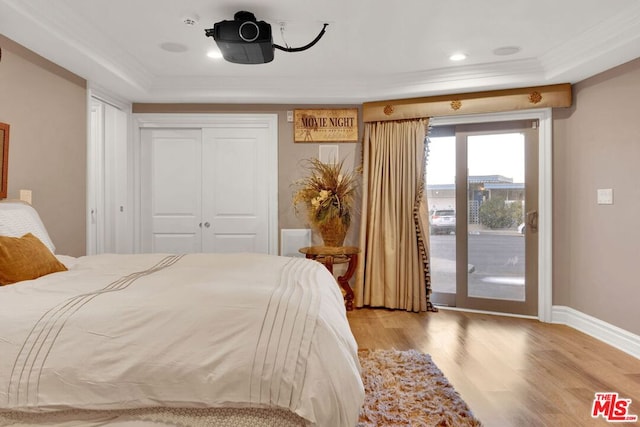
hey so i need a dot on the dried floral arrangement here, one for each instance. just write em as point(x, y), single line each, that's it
point(327, 192)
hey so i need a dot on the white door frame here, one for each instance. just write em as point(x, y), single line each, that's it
point(545, 242)
point(212, 120)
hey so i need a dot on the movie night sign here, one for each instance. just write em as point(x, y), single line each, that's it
point(326, 125)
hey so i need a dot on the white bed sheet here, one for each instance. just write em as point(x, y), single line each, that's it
point(194, 331)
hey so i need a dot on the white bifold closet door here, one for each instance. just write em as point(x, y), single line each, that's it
point(204, 190)
point(108, 227)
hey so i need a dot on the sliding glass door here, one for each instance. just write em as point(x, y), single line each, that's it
point(484, 177)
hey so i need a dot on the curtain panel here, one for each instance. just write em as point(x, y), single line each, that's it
point(394, 226)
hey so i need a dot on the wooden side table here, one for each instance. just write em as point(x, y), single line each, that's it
point(331, 255)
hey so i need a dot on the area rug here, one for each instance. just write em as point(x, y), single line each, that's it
point(405, 388)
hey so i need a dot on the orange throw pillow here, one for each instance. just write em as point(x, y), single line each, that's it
point(25, 258)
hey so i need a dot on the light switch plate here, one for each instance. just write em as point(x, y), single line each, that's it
point(605, 196)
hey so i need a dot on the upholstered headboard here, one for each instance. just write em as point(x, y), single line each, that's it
point(18, 218)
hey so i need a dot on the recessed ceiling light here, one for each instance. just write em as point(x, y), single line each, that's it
point(506, 50)
point(215, 54)
point(458, 57)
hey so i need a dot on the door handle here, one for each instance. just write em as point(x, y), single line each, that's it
point(532, 220)
point(207, 225)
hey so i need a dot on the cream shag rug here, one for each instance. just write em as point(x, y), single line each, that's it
point(405, 388)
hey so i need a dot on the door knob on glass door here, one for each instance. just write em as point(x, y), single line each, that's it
point(532, 220)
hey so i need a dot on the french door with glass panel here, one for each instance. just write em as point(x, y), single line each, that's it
point(487, 175)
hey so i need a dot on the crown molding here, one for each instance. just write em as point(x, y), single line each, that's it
point(60, 35)
point(611, 43)
point(499, 75)
point(51, 37)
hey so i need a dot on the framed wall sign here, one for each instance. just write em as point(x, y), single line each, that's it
point(326, 125)
point(4, 159)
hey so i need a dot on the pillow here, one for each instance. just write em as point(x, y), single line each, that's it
point(25, 258)
point(18, 219)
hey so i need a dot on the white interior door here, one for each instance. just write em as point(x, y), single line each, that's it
point(95, 180)
point(107, 222)
point(171, 190)
point(208, 183)
point(235, 190)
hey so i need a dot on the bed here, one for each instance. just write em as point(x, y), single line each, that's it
point(162, 339)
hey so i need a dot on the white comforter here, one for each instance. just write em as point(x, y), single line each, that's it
point(200, 330)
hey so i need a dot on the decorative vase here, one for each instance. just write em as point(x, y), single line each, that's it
point(333, 231)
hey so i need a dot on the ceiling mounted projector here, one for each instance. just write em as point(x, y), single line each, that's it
point(246, 40)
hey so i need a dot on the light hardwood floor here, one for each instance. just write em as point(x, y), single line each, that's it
point(510, 371)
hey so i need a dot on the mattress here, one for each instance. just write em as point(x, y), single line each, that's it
point(178, 339)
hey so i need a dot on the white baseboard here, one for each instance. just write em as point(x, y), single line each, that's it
point(601, 330)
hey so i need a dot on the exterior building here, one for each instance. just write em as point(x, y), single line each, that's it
point(481, 188)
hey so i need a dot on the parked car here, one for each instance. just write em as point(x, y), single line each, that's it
point(521, 228)
point(443, 221)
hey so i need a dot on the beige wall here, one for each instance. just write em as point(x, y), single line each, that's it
point(46, 108)
point(596, 145)
point(597, 247)
point(290, 154)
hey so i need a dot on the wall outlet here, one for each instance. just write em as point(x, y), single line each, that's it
point(25, 196)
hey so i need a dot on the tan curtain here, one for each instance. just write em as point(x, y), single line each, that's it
point(394, 229)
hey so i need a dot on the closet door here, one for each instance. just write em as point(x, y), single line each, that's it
point(107, 225)
point(235, 205)
point(171, 188)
